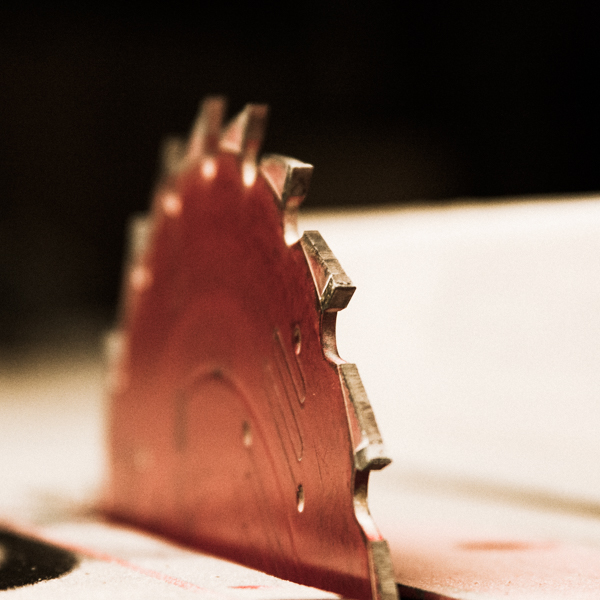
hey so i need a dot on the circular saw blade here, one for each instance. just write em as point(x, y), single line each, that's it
point(235, 426)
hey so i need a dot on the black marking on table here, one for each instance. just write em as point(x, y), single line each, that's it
point(24, 560)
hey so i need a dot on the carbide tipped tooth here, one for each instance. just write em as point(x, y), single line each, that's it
point(386, 588)
point(289, 179)
point(369, 451)
point(244, 134)
point(115, 342)
point(140, 228)
point(206, 132)
point(172, 155)
point(334, 287)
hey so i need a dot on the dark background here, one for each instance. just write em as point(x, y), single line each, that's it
point(437, 101)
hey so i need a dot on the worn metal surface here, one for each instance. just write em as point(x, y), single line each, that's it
point(235, 426)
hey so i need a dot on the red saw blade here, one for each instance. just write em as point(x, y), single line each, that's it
point(235, 426)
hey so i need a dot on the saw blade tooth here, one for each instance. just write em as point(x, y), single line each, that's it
point(135, 275)
point(289, 179)
point(206, 131)
point(172, 155)
point(113, 351)
point(385, 579)
point(369, 450)
point(334, 287)
point(140, 232)
point(140, 229)
point(244, 135)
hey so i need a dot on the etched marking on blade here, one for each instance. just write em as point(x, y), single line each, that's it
point(289, 179)
point(369, 451)
point(284, 394)
point(206, 131)
point(180, 429)
point(334, 287)
point(285, 434)
point(289, 368)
